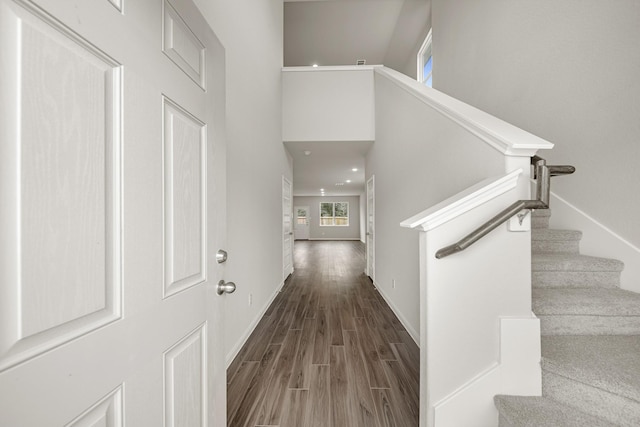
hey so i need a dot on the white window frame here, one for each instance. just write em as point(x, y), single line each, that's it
point(423, 56)
point(334, 215)
point(298, 217)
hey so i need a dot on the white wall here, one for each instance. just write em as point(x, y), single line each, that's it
point(316, 232)
point(564, 70)
point(251, 33)
point(328, 104)
point(414, 160)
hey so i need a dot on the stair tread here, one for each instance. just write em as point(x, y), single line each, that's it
point(550, 234)
point(573, 262)
point(585, 301)
point(535, 411)
point(607, 362)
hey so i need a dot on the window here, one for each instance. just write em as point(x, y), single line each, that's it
point(334, 214)
point(425, 62)
point(301, 217)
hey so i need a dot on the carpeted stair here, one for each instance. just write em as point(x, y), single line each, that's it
point(590, 338)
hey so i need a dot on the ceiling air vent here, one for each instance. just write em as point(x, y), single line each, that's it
point(361, 62)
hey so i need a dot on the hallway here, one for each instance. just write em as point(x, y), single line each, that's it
point(328, 351)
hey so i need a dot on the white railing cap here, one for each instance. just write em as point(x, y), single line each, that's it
point(504, 137)
point(462, 202)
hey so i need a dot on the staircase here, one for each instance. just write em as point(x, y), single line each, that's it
point(590, 338)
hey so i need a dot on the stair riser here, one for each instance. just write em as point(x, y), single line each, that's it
point(540, 222)
point(614, 408)
point(555, 246)
point(575, 279)
point(589, 325)
point(540, 218)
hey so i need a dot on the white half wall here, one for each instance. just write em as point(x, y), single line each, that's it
point(476, 302)
point(531, 63)
point(328, 104)
point(251, 33)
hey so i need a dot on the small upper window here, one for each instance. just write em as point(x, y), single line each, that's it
point(425, 62)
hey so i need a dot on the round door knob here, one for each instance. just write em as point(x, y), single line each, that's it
point(225, 288)
point(221, 256)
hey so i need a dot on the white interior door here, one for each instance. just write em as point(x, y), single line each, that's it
point(301, 222)
point(112, 207)
point(371, 242)
point(287, 229)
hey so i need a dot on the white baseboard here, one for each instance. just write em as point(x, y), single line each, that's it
point(243, 339)
point(415, 335)
point(598, 240)
point(517, 372)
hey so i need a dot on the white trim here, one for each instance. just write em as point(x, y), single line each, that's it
point(332, 68)
point(244, 337)
point(334, 217)
point(598, 240)
point(518, 373)
point(504, 137)
point(420, 60)
point(463, 202)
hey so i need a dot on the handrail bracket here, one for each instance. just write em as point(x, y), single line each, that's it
point(542, 173)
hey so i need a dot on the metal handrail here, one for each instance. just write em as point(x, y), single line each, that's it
point(542, 174)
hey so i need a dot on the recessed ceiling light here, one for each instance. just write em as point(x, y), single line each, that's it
point(355, 169)
point(307, 153)
point(322, 189)
point(315, 65)
point(348, 181)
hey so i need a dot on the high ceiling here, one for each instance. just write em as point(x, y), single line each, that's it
point(340, 32)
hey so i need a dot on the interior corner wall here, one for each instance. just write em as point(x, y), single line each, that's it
point(251, 32)
point(411, 29)
point(317, 232)
point(419, 159)
point(564, 70)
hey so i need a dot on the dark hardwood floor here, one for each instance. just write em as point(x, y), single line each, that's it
point(329, 352)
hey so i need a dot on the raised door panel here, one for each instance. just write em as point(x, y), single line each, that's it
point(185, 177)
point(60, 258)
point(118, 4)
point(108, 412)
point(185, 381)
point(182, 46)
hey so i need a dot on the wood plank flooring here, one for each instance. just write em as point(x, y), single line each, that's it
point(329, 352)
